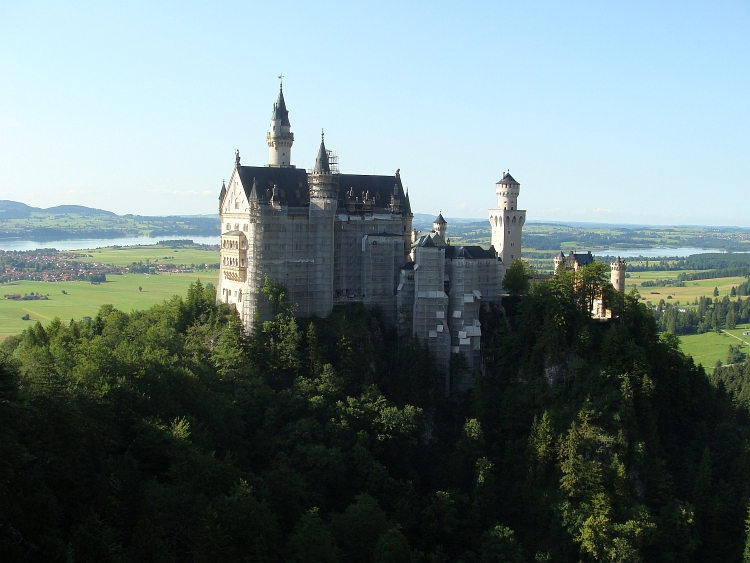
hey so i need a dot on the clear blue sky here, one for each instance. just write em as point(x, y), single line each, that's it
point(634, 112)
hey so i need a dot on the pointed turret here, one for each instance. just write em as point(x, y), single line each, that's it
point(407, 204)
point(222, 193)
point(559, 261)
point(439, 225)
point(323, 184)
point(279, 110)
point(254, 190)
point(280, 137)
point(322, 166)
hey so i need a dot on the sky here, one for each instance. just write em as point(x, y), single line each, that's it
point(610, 112)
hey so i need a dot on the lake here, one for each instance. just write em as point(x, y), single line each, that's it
point(78, 244)
point(682, 252)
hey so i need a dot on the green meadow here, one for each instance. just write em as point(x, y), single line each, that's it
point(84, 299)
point(156, 253)
point(710, 347)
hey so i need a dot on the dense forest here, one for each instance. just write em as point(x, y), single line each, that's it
point(168, 435)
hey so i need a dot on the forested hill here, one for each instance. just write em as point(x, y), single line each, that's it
point(20, 221)
point(166, 435)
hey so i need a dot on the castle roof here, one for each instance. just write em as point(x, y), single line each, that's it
point(292, 184)
point(507, 179)
point(280, 111)
point(322, 165)
point(407, 204)
point(439, 220)
point(430, 240)
point(583, 259)
point(293, 188)
point(470, 252)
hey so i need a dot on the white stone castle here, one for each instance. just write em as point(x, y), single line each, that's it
point(335, 238)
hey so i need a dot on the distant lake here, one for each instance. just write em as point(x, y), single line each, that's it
point(78, 244)
point(682, 252)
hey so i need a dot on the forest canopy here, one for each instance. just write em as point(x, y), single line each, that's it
point(169, 435)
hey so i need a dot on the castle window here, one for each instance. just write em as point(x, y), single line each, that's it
point(236, 203)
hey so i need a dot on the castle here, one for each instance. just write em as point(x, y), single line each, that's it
point(577, 260)
point(335, 238)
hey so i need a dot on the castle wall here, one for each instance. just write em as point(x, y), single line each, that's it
point(430, 314)
point(382, 257)
point(349, 232)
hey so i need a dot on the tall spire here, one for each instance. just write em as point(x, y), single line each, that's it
point(280, 137)
point(279, 109)
point(322, 166)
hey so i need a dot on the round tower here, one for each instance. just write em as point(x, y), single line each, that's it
point(506, 220)
point(440, 225)
point(507, 191)
point(559, 261)
point(280, 137)
point(618, 274)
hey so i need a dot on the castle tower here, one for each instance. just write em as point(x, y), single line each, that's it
point(439, 226)
point(507, 220)
point(280, 137)
point(618, 274)
point(323, 202)
point(559, 261)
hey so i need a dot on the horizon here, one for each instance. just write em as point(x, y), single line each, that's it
point(606, 114)
point(591, 224)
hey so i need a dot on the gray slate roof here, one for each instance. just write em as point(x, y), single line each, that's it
point(280, 111)
point(507, 179)
point(293, 188)
point(322, 166)
point(470, 252)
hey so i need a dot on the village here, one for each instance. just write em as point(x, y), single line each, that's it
point(51, 265)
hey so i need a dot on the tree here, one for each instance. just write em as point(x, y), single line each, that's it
point(359, 528)
point(275, 291)
point(499, 545)
point(516, 279)
point(731, 319)
point(393, 547)
point(311, 542)
point(716, 292)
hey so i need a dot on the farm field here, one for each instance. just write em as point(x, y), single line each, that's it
point(710, 347)
point(84, 299)
point(156, 253)
point(685, 295)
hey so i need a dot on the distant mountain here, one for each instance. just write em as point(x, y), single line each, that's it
point(17, 210)
point(78, 210)
point(428, 218)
